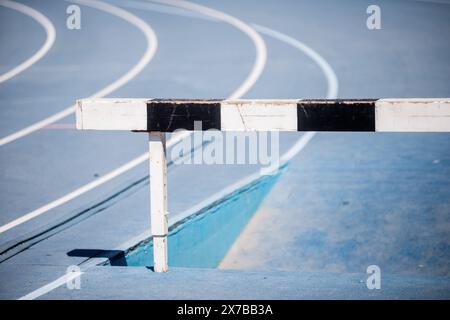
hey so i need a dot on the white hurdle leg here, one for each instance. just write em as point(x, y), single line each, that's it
point(158, 199)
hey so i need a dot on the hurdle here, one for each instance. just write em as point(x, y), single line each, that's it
point(156, 117)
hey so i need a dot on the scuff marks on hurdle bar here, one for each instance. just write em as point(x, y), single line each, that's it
point(336, 115)
point(383, 115)
point(312, 115)
point(170, 115)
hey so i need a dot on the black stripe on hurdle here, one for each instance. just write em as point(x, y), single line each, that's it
point(168, 116)
point(336, 115)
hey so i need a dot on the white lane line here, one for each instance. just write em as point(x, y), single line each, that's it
point(140, 5)
point(242, 89)
point(261, 51)
point(317, 58)
point(73, 194)
point(50, 37)
point(152, 44)
point(67, 278)
point(61, 126)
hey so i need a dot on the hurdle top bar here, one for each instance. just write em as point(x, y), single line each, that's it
point(162, 115)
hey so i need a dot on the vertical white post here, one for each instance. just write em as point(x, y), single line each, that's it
point(158, 199)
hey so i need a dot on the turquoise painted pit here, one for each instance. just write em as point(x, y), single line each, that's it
point(203, 239)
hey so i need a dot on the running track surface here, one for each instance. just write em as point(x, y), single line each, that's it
point(346, 201)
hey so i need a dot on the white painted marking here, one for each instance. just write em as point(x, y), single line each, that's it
point(111, 114)
point(87, 187)
point(51, 286)
point(50, 37)
point(330, 75)
point(242, 89)
point(419, 115)
point(152, 44)
point(61, 126)
point(261, 51)
point(254, 115)
point(162, 8)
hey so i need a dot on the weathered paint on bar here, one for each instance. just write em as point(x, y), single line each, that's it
point(159, 115)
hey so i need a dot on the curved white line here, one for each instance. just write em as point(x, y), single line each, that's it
point(261, 51)
point(152, 44)
point(242, 89)
point(333, 85)
point(49, 30)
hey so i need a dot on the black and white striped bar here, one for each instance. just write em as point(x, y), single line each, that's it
point(157, 115)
